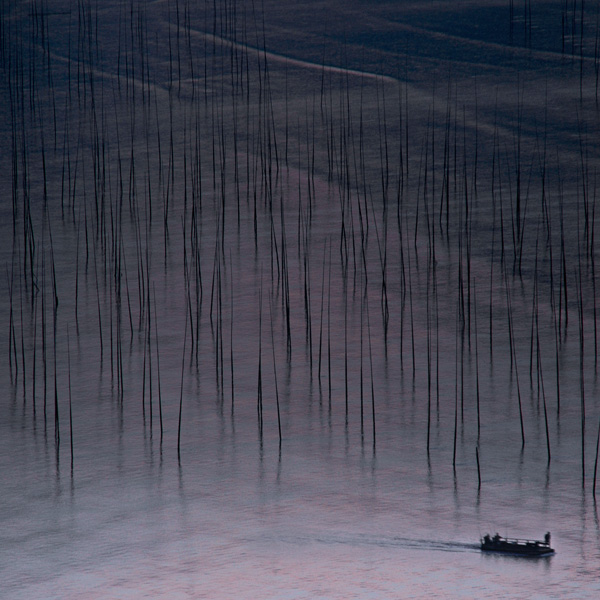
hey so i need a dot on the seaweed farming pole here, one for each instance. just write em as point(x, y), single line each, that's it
point(55, 322)
point(231, 335)
point(259, 396)
point(513, 352)
point(160, 414)
point(181, 387)
point(455, 385)
point(478, 468)
point(329, 329)
point(539, 358)
point(363, 295)
point(23, 366)
point(345, 288)
point(371, 371)
point(596, 462)
point(581, 374)
point(70, 402)
point(477, 370)
point(321, 312)
point(428, 361)
point(275, 372)
point(412, 322)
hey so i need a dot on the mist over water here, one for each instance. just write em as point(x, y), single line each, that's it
point(299, 300)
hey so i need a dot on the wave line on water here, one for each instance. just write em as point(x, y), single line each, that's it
point(296, 62)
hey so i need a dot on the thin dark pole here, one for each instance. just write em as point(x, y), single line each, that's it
point(181, 388)
point(70, 402)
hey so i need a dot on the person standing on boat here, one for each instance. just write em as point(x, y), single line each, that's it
point(547, 539)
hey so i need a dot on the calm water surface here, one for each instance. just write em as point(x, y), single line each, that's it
point(381, 244)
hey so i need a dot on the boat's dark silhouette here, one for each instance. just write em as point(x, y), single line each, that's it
point(516, 546)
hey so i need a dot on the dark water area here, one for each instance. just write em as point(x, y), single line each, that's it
point(299, 299)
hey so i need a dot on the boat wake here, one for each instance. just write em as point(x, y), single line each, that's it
point(390, 542)
point(439, 545)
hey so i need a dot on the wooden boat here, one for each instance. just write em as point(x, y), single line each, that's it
point(515, 546)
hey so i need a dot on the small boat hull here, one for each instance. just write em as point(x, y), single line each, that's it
point(516, 547)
